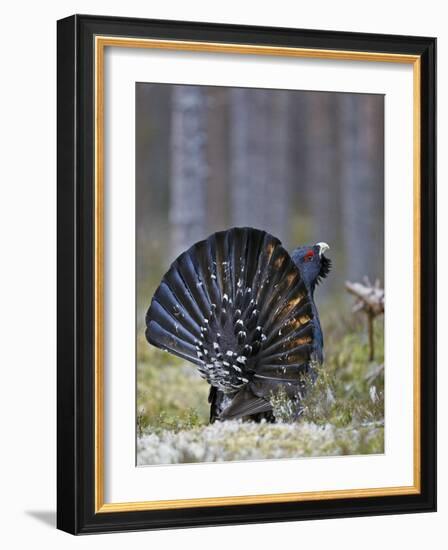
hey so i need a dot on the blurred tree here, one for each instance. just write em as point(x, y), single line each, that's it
point(361, 130)
point(187, 211)
point(217, 158)
point(152, 174)
point(322, 179)
point(277, 192)
point(323, 166)
point(248, 160)
point(300, 189)
point(259, 159)
point(306, 166)
point(153, 144)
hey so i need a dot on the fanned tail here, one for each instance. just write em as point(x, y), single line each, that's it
point(236, 306)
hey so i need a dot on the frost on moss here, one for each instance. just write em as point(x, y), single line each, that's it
point(236, 440)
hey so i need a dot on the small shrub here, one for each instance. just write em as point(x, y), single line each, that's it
point(284, 409)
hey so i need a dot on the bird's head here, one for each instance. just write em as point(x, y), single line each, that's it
point(312, 263)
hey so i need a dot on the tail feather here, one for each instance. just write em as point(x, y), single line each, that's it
point(289, 323)
point(169, 323)
point(236, 306)
point(245, 403)
point(167, 341)
point(286, 350)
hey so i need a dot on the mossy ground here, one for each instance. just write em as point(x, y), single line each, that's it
point(343, 412)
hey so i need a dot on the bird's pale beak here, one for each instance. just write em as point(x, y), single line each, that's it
point(323, 247)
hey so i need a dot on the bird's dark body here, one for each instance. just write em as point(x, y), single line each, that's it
point(240, 308)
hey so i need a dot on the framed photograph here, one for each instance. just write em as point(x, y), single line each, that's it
point(246, 274)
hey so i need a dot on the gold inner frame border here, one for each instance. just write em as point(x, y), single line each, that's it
point(100, 43)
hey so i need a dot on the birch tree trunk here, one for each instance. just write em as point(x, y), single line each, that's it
point(189, 168)
point(362, 129)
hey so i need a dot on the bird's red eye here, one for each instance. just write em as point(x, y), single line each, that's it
point(309, 256)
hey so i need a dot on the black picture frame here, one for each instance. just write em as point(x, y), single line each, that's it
point(76, 512)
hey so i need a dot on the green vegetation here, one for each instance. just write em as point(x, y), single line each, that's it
point(349, 390)
point(343, 412)
point(170, 393)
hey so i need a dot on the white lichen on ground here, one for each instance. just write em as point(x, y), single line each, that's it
point(236, 440)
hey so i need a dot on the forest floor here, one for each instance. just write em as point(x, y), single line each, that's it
point(343, 412)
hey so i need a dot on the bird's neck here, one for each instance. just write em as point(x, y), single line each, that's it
point(310, 286)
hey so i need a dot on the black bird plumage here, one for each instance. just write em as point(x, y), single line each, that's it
point(242, 309)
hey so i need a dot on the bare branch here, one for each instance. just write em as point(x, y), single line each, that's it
point(369, 298)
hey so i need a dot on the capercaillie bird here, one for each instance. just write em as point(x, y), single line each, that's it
point(242, 309)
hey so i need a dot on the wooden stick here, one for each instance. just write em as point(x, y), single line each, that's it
point(370, 299)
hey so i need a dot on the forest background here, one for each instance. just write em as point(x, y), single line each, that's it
point(306, 166)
